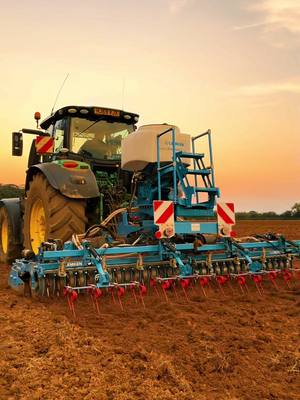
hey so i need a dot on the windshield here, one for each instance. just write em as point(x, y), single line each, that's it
point(98, 139)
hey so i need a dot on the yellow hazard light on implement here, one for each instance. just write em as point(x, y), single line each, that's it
point(106, 111)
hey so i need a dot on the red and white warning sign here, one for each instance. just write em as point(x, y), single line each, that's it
point(226, 218)
point(44, 144)
point(164, 218)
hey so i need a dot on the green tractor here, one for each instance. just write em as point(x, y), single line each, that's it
point(73, 180)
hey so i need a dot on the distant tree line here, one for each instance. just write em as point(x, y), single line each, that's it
point(293, 213)
point(9, 191)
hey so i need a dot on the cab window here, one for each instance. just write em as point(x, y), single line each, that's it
point(59, 134)
point(98, 139)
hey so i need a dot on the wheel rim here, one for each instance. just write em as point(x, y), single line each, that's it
point(4, 236)
point(37, 225)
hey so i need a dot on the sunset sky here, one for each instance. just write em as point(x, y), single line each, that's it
point(232, 66)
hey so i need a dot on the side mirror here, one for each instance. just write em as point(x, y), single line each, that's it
point(17, 143)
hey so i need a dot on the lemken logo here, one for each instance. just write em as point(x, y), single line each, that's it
point(177, 144)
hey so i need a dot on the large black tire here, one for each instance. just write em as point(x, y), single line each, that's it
point(61, 218)
point(9, 251)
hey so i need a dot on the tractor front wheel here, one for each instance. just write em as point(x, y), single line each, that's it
point(50, 215)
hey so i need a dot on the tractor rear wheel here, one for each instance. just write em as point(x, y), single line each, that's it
point(50, 215)
point(8, 249)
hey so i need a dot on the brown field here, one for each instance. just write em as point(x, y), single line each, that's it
point(224, 346)
point(290, 229)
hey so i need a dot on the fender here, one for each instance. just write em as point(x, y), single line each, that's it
point(74, 183)
point(13, 207)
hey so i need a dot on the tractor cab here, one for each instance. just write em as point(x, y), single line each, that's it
point(89, 134)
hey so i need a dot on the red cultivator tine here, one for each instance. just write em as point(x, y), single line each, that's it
point(287, 276)
point(111, 291)
point(185, 283)
point(166, 286)
point(221, 280)
point(132, 288)
point(272, 277)
point(143, 291)
point(95, 294)
point(257, 279)
point(153, 285)
point(173, 286)
point(229, 283)
point(242, 284)
point(138, 292)
point(191, 285)
point(204, 282)
point(120, 292)
point(71, 296)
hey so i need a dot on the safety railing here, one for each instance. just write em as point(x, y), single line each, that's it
point(209, 182)
point(211, 167)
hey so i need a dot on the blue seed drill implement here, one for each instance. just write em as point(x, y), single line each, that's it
point(165, 234)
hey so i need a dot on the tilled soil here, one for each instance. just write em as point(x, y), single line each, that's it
point(223, 346)
point(290, 229)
